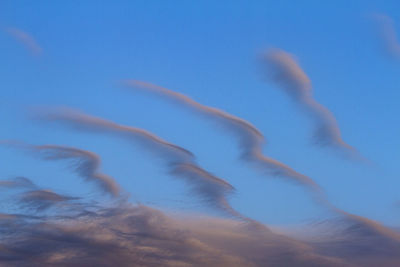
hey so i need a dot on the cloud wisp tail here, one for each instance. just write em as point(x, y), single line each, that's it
point(84, 163)
point(249, 138)
point(287, 73)
point(179, 161)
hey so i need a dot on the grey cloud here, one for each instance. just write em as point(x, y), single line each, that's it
point(128, 235)
point(179, 160)
point(250, 138)
point(212, 189)
point(81, 121)
point(141, 236)
point(358, 240)
point(287, 73)
point(85, 163)
point(43, 199)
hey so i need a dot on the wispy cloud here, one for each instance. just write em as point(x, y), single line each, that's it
point(151, 142)
point(26, 39)
point(251, 141)
point(212, 189)
point(287, 73)
point(250, 138)
point(179, 161)
point(128, 235)
point(17, 182)
point(43, 199)
point(388, 35)
point(84, 163)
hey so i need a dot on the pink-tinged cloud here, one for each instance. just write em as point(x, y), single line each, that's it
point(84, 163)
point(151, 142)
point(180, 161)
point(41, 199)
point(128, 235)
point(26, 39)
point(287, 73)
point(213, 190)
point(250, 138)
point(17, 182)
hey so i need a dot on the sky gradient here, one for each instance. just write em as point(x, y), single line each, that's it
point(270, 117)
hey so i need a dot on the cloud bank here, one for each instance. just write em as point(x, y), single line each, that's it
point(128, 235)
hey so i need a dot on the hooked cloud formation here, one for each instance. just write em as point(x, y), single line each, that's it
point(250, 138)
point(26, 39)
point(151, 142)
point(251, 142)
point(286, 72)
point(179, 160)
point(40, 226)
point(388, 35)
point(84, 163)
point(210, 188)
point(129, 235)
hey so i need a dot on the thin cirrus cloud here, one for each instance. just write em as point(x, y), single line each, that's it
point(287, 73)
point(84, 163)
point(387, 33)
point(17, 182)
point(151, 142)
point(180, 161)
point(26, 39)
point(212, 189)
point(251, 141)
point(250, 138)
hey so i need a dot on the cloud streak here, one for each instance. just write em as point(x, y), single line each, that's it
point(388, 35)
point(17, 182)
point(250, 138)
point(251, 141)
point(286, 72)
point(84, 163)
point(43, 199)
point(180, 161)
point(213, 190)
point(149, 141)
point(26, 39)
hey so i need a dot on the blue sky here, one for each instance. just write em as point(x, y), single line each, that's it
point(209, 51)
